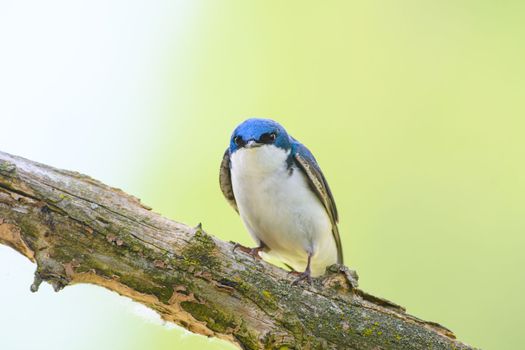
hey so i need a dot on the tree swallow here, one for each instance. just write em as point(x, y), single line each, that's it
point(278, 189)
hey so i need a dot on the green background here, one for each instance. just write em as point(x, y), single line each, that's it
point(414, 110)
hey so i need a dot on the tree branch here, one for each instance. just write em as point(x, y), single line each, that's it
point(79, 230)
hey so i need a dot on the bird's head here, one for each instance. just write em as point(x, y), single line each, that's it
point(257, 132)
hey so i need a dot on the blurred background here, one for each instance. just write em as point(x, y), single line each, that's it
point(414, 109)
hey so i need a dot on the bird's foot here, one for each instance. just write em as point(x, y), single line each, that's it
point(254, 252)
point(301, 277)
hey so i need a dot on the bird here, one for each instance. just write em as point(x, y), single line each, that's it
point(278, 189)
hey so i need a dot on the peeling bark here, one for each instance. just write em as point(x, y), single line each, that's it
point(79, 230)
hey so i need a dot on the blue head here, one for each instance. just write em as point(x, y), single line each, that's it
point(257, 132)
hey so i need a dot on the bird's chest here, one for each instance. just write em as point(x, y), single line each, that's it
point(274, 200)
point(262, 182)
point(265, 195)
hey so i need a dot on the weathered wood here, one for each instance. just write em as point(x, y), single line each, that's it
point(79, 230)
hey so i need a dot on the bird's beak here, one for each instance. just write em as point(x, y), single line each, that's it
point(252, 144)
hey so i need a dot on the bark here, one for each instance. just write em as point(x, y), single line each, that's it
point(78, 230)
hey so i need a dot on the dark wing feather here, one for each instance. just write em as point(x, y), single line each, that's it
point(225, 180)
point(306, 162)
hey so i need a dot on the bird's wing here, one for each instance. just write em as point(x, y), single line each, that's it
point(225, 180)
point(306, 162)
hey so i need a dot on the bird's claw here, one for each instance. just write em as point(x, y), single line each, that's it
point(302, 276)
point(254, 252)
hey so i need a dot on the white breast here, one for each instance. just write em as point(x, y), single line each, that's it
point(278, 208)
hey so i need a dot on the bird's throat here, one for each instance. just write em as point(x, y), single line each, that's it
point(259, 161)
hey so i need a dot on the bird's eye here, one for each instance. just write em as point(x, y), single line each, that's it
point(238, 141)
point(268, 137)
